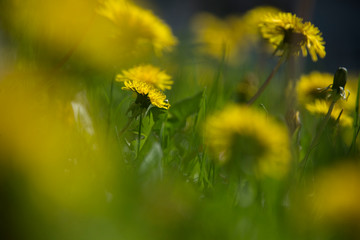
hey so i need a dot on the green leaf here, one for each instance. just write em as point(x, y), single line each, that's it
point(151, 167)
point(183, 109)
point(147, 124)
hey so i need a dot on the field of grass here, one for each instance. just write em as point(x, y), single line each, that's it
point(111, 127)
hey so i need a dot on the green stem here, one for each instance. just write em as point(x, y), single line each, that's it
point(267, 81)
point(139, 135)
point(318, 134)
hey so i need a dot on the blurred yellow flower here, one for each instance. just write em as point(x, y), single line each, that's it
point(252, 19)
point(312, 86)
point(321, 107)
point(58, 23)
point(216, 37)
point(137, 27)
point(337, 195)
point(244, 133)
point(312, 94)
point(149, 74)
point(101, 33)
point(147, 94)
point(42, 142)
point(230, 37)
point(287, 32)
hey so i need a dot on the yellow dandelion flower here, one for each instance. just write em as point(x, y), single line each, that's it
point(337, 196)
point(231, 36)
point(312, 86)
point(312, 94)
point(321, 107)
point(253, 17)
point(216, 36)
point(253, 135)
point(137, 26)
point(285, 31)
point(147, 94)
point(149, 74)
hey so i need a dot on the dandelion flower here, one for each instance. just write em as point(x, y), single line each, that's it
point(253, 17)
point(137, 27)
point(216, 36)
point(147, 94)
point(231, 36)
point(287, 32)
point(321, 107)
point(312, 86)
point(337, 196)
point(149, 74)
point(239, 133)
point(312, 94)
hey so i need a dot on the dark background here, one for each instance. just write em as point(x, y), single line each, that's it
point(337, 20)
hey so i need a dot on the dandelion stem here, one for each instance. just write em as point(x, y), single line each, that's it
point(139, 135)
point(319, 132)
point(267, 81)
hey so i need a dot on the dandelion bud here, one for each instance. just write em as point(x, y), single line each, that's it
point(340, 79)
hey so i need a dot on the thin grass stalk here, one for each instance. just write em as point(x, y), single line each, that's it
point(267, 81)
point(356, 120)
point(216, 88)
point(319, 132)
